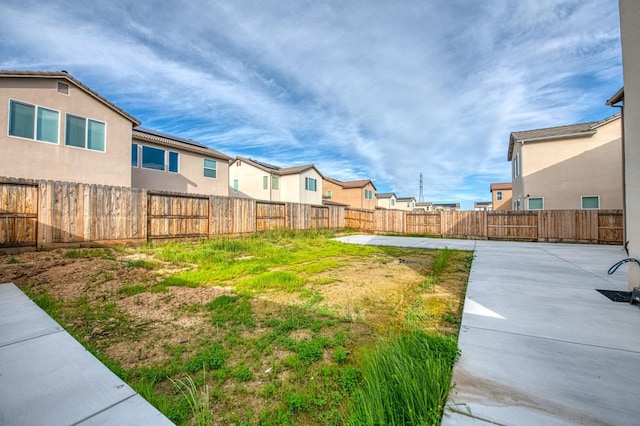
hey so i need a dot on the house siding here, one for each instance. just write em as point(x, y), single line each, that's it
point(190, 177)
point(30, 159)
point(563, 171)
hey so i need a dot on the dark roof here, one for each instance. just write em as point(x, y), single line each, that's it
point(352, 183)
point(149, 135)
point(66, 76)
point(385, 195)
point(557, 133)
point(402, 199)
point(280, 171)
point(500, 186)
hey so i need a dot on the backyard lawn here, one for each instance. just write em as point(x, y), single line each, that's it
point(281, 328)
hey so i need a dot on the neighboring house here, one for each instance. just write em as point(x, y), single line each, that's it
point(169, 163)
point(406, 203)
point(59, 129)
point(501, 196)
point(425, 206)
point(386, 200)
point(262, 181)
point(568, 167)
point(452, 207)
point(482, 206)
point(356, 193)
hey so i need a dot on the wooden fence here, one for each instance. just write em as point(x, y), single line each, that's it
point(38, 214)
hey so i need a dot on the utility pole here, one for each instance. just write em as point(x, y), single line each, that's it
point(421, 197)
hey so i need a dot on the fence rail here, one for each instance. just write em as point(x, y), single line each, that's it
point(38, 214)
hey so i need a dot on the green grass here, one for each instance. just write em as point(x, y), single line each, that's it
point(405, 381)
point(299, 363)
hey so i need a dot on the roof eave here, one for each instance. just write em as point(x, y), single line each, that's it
point(616, 98)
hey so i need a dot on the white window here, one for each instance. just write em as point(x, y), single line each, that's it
point(265, 182)
point(368, 194)
point(85, 133)
point(33, 122)
point(535, 203)
point(393, 202)
point(153, 158)
point(134, 155)
point(590, 202)
point(516, 166)
point(173, 161)
point(499, 195)
point(235, 185)
point(275, 183)
point(309, 184)
point(329, 195)
point(210, 168)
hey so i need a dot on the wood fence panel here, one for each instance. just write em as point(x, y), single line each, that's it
point(389, 221)
point(470, 224)
point(298, 216)
point(337, 217)
point(512, 225)
point(359, 219)
point(270, 216)
point(18, 215)
point(244, 215)
point(610, 227)
point(423, 223)
point(319, 217)
point(173, 216)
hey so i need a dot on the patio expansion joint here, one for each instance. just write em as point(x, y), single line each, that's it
point(574, 265)
point(551, 339)
point(104, 409)
point(14, 342)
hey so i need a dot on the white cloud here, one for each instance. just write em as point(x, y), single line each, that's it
point(384, 90)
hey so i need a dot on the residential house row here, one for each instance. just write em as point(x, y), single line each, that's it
point(57, 128)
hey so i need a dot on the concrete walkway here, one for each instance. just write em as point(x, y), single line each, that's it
point(539, 345)
point(48, 378)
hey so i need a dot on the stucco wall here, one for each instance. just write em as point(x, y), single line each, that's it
point(630, 30)
point(563, 171)
point(501, 205)
point(25, 158)
point(190, 177)
point(353, 197)
point(250, 182)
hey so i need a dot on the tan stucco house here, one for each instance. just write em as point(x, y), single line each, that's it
point(568, 167)
point(170, 163)
point(406, 203)
point(54, 127)
point(262, 181)
point(386, 200)
point(360, 194)
point(501, 196)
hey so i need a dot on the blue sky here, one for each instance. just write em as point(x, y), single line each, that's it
point(362, 89)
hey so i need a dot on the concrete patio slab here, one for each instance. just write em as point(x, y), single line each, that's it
point(48, 378)
point(539, 345)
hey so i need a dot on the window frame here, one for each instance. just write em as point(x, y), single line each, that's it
point(236, 186)
point(368, 194)
point(498, 195)
point(597, 197)
point(535, 198)
point(265, 182)
point(135, 148)
point(329, 194)
point(307, 184)
point(215, 168)
point(36, 126)
point(516, 165)
point(87, 122)
point(392, 202)
point(177, 162)
point(275, 183)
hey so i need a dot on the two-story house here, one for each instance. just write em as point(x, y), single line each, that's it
point(170, 163)
point(568, 167)
point(406, 203)
point(262, 181)
point(500, 196)
point(356, 193)
point(59, 129)
point(386, 200)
